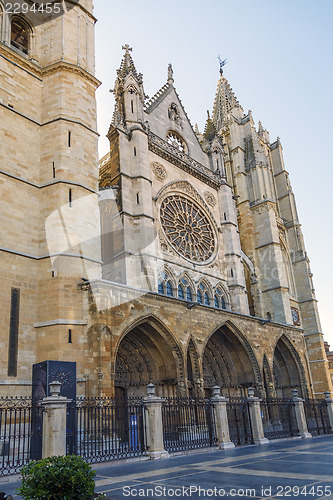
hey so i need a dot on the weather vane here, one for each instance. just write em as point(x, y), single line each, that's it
point(222, 63)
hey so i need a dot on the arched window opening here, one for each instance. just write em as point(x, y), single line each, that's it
point(219, 300)
point(165, 286)
point(184, 290)
point(176, 141)
point(203, 296)
point(20, 35)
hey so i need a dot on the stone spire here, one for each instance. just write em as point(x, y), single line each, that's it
point(225, 101)
point(127, 66)
point(128, 81)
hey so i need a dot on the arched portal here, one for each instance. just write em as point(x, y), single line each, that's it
point(226, 363)
point(286, 371)
point(145, 356)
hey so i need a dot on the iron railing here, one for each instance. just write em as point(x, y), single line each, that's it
point(20, 432)
point(278, 418)
point(317, 418)
point(105, 429)
point(240, 428)
point(188, 423)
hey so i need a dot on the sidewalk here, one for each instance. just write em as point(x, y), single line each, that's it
point(293, 468)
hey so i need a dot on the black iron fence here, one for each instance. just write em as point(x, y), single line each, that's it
point(105, 429)
point(278, 418)
point(317, 418)
point(20, 431)
point(188, 424)
point(240, 428)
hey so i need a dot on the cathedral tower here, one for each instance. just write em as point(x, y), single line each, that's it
point(48, 156)
point(276, 266)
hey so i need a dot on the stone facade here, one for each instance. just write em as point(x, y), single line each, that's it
point(48, 159)
point(186, 269)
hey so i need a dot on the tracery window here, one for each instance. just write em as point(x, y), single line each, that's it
point(20, 35)
point(165, 286)
point(203, 295)
point(187, 228)
point(219, 299)
point(184, 290)
point(176, 141)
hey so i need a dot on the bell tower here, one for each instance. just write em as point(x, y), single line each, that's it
point(49, 177)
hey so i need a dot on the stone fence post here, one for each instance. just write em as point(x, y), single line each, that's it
point(221, 419)
point(329, 404)
point(255, 417)
point(300, 415)
point(154, 425)
point(54, 422)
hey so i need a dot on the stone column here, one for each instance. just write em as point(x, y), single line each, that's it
point(221, 419)
point(154, 426)
point(300, 415)
point(255, 416)
point(54, 422)
point(329, 403)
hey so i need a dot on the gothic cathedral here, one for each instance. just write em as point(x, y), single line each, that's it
point(180, 261)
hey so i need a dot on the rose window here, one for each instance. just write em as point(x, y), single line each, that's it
point(187, 228)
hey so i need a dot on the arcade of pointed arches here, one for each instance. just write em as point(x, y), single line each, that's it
point(184, 288)
point(149, 353)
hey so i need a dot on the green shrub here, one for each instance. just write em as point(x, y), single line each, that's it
point(57, 478)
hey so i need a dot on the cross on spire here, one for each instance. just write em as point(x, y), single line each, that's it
point(127, 48)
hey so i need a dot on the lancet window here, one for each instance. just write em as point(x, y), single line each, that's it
point(219, 299)
point(165, 286)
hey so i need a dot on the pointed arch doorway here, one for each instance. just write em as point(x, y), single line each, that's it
point(288, 371)
point(227, 363)
point(145, 356)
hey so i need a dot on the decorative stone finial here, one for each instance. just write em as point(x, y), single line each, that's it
point(170, 74)
point(260, 128)
point(55, 387)
point(151, 390)
point(216, 391)
point(250, 392)
point(294, 393)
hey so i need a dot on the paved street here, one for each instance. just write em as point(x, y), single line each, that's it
point(286, 469)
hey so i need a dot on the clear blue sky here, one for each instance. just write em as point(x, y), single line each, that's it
point(280, 67)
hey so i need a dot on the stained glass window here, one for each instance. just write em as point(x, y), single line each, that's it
point(187, 228)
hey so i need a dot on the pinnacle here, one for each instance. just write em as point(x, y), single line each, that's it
point(127, 66)
point(210, 131)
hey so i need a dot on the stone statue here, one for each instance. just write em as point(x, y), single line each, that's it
point(170, 72)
